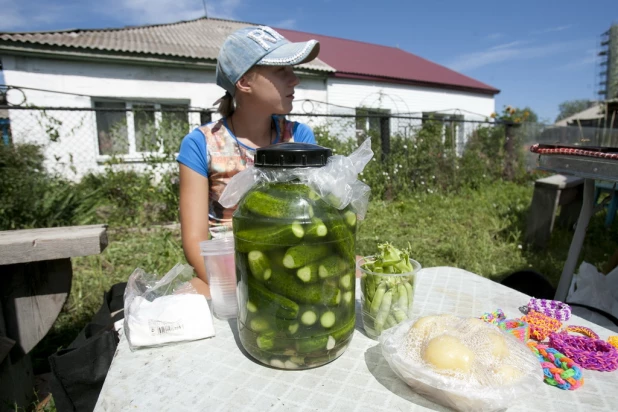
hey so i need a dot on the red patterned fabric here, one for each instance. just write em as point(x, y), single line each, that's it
point(572, 152)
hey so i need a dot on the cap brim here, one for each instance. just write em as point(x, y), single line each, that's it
point(291, 54)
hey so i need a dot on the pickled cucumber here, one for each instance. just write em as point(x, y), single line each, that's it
point(267, 205)
point(267, 238)
point(283, 283)
point(267, 302)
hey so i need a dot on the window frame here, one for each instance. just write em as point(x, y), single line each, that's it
point(133, 155)
point(446, 120)
point(370, 111)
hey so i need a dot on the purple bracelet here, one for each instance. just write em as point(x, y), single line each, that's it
point(594, 354)
point(553, 308)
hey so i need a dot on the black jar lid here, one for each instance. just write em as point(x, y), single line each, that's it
point(292, 155)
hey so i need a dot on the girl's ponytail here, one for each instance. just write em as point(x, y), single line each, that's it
point(226, 105)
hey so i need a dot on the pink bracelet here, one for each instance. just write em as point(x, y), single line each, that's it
point(594, 354)
point(555, 309)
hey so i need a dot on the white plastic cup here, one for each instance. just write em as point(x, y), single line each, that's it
point(221, 271)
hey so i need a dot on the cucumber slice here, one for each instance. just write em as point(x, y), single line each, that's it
point(309, 273)
point(308, 317)
point(259, 324)
point(327, 320)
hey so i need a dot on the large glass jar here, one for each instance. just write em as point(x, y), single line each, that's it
point(295, 266)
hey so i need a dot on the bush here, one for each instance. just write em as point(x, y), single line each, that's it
point(428, 160)
point(128, 198)
point(425, 161)
point(31, 197)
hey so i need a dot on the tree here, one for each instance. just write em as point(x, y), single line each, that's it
point(571, 107)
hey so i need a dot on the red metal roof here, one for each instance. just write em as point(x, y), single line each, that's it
point(358, 60)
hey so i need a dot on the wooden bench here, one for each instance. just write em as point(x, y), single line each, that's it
point(549, 193)
point(35, 281)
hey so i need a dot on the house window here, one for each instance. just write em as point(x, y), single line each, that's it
point(131, 128)
point(367, 121)
point(205, 117)
point(451, 124)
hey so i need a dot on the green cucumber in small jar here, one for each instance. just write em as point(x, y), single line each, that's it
point(387, 286)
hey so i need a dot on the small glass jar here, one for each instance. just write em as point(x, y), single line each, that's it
point(386, 299)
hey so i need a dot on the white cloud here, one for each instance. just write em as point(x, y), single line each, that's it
point(508, 45)
point(552, 29)
point(285, 24)
point(516, 50)
point(167, 11)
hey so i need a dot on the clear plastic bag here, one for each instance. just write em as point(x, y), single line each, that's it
point(336, 182)
point(164, 310)
point(462, 363)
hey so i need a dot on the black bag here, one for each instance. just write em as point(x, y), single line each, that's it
point(531, 283)
point(79, 371)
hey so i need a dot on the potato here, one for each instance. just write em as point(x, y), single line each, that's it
point(473, 326)
point(447, 353)
point(498, 346)
point(507, 374)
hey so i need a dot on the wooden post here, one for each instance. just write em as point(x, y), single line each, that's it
point(509, 152)
point(549, 193)
point(385, 136)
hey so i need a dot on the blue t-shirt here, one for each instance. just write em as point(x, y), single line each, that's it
point(194, 155)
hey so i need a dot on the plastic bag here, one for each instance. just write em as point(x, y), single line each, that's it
point(592, 288)
point(478, 371)
point(336, 182)
point(160, 311)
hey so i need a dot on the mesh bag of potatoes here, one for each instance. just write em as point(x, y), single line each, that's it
point(462, 363)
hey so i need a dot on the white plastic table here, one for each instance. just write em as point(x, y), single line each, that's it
point(216, 375)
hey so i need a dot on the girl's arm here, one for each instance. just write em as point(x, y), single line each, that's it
point(194, 217)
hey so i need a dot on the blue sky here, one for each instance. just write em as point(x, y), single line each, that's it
point(538, 53)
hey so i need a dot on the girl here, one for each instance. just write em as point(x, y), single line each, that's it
point(255, 69)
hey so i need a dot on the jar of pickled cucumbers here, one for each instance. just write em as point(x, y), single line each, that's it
point(295, 264)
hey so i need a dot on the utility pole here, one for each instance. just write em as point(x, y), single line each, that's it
point(205, 9)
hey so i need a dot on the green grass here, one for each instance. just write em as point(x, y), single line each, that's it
point(479, 231)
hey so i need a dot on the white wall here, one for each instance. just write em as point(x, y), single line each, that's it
point(74, 84)
point(400, 98)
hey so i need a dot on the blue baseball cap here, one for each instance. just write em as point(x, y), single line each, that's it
point(259, 45)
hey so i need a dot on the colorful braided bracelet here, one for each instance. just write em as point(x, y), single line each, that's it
point(493, 317)
point(594, 354)
point(554, 308)
point(540, 325)
point(613, 340)
point(559, 370)
point(517, 328)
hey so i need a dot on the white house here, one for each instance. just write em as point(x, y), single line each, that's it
point(167, 66)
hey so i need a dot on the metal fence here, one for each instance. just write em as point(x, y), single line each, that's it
point(79, 140)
